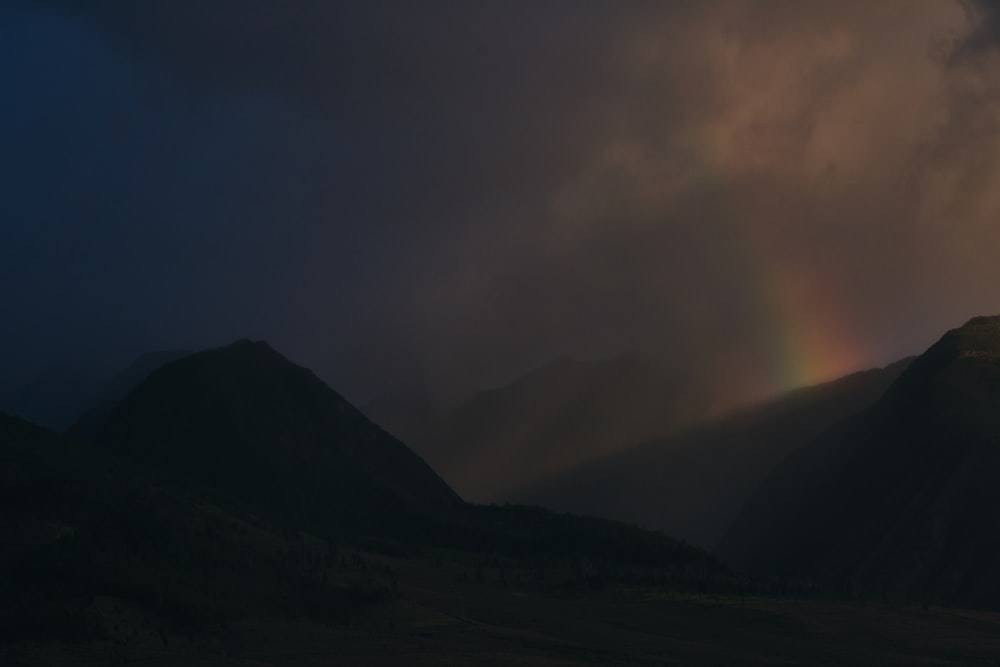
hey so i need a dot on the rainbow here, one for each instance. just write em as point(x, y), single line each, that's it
point(800, 317)
point(805, 319)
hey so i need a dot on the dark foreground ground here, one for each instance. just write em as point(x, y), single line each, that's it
point(439, 615)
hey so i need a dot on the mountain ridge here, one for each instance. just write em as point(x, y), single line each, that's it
point(902, 497)
point(692, 484)
point(245, 419)
point(558, 414)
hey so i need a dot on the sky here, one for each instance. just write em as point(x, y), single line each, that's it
point(436, 196)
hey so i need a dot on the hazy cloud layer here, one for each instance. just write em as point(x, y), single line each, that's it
point(441, 194)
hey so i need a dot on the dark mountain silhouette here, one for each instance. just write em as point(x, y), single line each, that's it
point(129, 378)
point(408, 415)
point(108, 562)
point(902, 498)
point(56, 397)
point(559, 415)
point(224, 487)
point(96, 549)
point(245, 420)
point(694, 484)
point(86, 423)
point(65, 397)
point(207, 525)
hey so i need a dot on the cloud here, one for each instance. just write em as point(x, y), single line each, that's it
point(477, 187)
point(844, 145)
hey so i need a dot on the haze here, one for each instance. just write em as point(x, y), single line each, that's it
point(438, 196)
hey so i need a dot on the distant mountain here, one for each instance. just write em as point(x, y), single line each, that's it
point(65, 397)
point(129, 378)
point(408, 415)
point(245, 420)
point(112, 391)
point(108, 562)
point(557, 416)
point(693, 485)
point(903, 498)
point(233, 485)
point(56, 397)
point(235, 509)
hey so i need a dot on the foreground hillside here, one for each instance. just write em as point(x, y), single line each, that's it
point(99, 551)
point(904, 498)
point(439, 614)
point(107, 563)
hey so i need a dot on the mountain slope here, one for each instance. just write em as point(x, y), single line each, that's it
point(68, 398)
point(245, 421)
point(905, 496)
point(108, 562)
point(87, 423)
point(97, 549)
point(557, 416)
point(132, 375)
point(234, 487)
point(249, 422)
point(694, 484)
point(55, 398)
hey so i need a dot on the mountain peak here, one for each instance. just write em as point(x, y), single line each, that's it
point(241, 361)
point(979, 337)
point(962, 350)
point(902, 496)
point(249, 422)
point(248, 349)
point(246, 345)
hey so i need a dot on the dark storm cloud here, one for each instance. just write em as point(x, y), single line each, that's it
point(438, 122)
point(985, 18)
point(414, 80)
point(129, 204)
point(443, 193)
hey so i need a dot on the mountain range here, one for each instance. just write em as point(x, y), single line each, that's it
point(233, 484)
point(901, 497)
point(246, 421)
point(694, 483)
point(230, 505)
point(562, 414)
point(60, 396)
